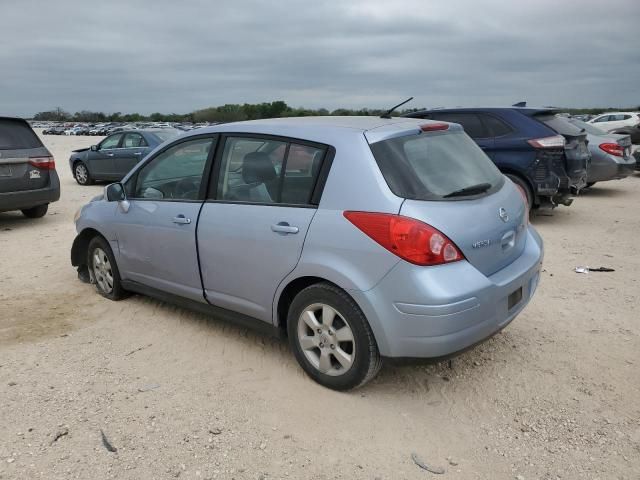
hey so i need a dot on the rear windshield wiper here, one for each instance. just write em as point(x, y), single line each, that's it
point(472, 190)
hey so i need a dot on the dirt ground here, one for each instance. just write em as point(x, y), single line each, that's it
point(555, 395)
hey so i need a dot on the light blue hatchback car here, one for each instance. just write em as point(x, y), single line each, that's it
point(358, 238)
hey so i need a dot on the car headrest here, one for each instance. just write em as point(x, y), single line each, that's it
point(257, 168)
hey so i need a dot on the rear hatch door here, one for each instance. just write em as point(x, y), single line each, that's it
point(18, 145)
point(449, 183)
point(490, 231)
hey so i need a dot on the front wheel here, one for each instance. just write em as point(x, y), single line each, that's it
point(103, 270)
point(81, 174)
point(36, 212)
point(331, 338)
point(590, 184)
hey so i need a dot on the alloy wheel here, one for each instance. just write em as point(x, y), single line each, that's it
point(82, 174)
point(102, 270)
point(326, 339)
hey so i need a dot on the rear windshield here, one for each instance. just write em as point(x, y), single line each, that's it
point(16, 135)
point(560, 125)
point(591, 129)
point(435, 165)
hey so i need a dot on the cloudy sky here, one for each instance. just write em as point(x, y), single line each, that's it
point(177, 56)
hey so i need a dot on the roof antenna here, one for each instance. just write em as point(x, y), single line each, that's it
point(387, 114)
point(519, 104)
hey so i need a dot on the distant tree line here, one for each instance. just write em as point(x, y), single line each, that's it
point(235, 112)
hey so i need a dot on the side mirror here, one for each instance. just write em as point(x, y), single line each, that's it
point(114, 192)
point(94, 148)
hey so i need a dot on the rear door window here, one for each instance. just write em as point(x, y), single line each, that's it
point(269, 171)
point(133, 140)
point(433, 166)
point(17, 135)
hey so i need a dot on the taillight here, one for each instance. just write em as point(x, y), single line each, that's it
point(46, 163)
point(434, 127)
point(547, 142)
point(408, 238)
point(612, 149)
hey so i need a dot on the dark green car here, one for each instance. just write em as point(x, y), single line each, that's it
point(114, 156)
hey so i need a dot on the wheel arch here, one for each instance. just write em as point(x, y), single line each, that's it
point(80, 245)
point(525, 179)
point(289, 292)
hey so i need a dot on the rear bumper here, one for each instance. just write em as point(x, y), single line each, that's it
point(611, 169)
point(434, 312)
point(31, 198)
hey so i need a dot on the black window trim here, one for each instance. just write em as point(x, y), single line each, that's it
point(316, 195)
point(206, 174)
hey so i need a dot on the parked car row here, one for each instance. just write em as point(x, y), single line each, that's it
point(546, 154)
point(102, 129)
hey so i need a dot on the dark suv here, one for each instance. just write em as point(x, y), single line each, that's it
point(28, 179)
point(540, 151)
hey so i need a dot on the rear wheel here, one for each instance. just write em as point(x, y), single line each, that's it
point(103, 269)
point(81, 174)
point(36, 212)
point(331, 338)
point(523, 186)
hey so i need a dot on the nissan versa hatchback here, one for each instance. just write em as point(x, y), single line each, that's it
point(358, 238)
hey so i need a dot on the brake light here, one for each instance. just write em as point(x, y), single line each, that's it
point(433, 127)
point(408, 238)
point(45, 163)
point(612, 149)
point(547, 142)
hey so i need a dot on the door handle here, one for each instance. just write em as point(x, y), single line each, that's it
point(109, 154)
point(284, 228)
point(137, 153)
point(181, 220)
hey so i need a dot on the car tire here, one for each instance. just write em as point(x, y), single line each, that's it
point(103, 270)
point(331, 338)
point(523, 186)
point(81, 174)
point(591, 184)
point(36, 212)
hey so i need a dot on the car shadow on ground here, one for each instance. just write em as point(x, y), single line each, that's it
point(416, 377)
point(10, 221)
point(601, 190)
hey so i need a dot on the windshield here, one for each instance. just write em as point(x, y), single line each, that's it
point(591, 129)
point(434, 166)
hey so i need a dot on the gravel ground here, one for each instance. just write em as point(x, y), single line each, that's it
point(178, 394)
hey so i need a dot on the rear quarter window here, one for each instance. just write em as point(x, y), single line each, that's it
point(17, 135)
